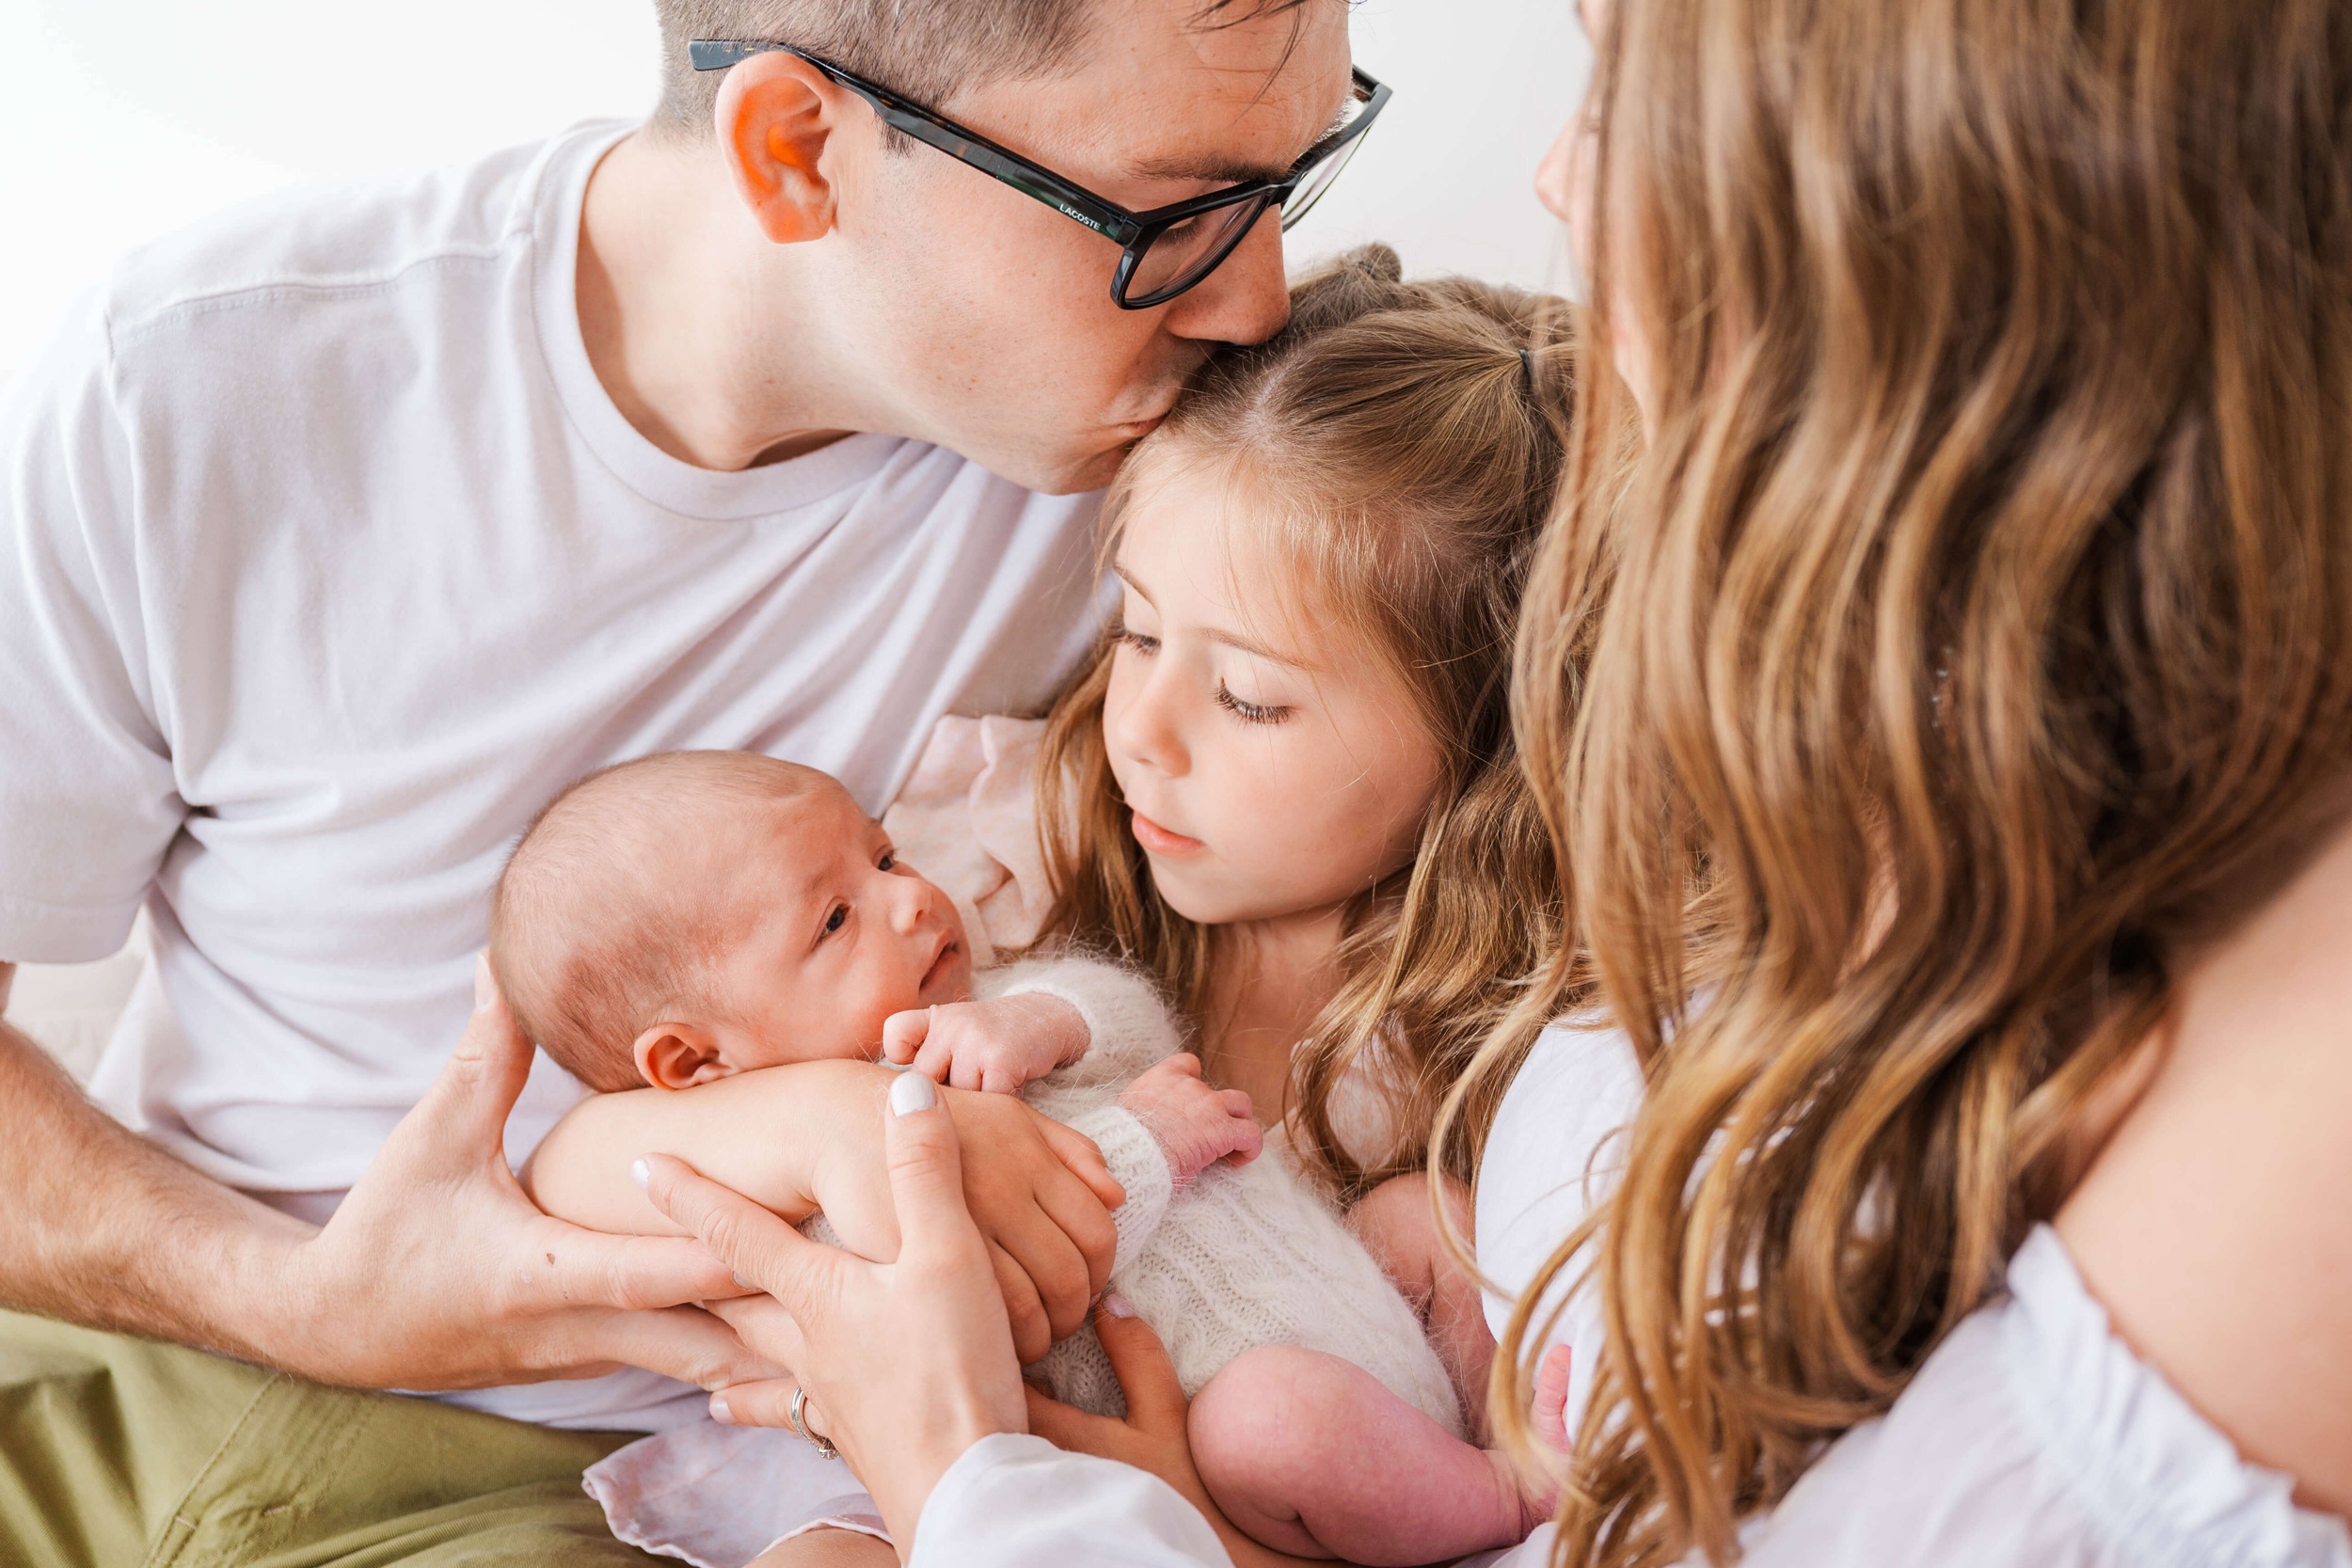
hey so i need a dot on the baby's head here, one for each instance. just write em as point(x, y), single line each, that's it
point(696, 914)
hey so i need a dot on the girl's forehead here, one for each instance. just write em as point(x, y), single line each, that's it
point(1208, 552)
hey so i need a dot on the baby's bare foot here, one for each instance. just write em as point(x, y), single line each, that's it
point(1194, 1125)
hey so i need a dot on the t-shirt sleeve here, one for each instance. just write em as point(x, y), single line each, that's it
point(89, 800)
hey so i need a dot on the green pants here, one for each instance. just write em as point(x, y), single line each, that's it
point(120, 1454)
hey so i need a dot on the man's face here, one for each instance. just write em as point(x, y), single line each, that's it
point(985, 317)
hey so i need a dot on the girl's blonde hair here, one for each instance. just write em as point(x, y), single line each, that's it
point(1403, 442)
point(1974, 634)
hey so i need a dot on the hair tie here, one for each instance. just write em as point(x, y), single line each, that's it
point(1527, 369)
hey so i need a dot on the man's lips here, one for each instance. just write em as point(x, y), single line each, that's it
point(1157, 840)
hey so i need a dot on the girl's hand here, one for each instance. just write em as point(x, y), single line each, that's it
point(907, 1363)
point(1153, 1437)
point(994, 1047)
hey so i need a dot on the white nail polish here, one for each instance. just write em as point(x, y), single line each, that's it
point(719, 1411)
point(1117, 1306)
point(911, 1092)
point(641, 1173)
point(485, 987)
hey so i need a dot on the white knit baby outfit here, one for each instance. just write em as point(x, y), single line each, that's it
point(1240, 1257)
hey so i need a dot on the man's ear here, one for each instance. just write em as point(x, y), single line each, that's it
point(775, 115)
point(680, 1056)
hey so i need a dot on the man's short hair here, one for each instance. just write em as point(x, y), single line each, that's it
point(922, 49)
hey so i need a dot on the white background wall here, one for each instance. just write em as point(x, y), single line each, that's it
point(125, 119)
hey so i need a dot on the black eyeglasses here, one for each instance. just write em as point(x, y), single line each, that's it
point(1168, 249)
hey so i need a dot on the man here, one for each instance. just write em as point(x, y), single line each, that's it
point(341, 531)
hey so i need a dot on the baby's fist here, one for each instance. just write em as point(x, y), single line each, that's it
point(994, 1047)
point(1194, 1125)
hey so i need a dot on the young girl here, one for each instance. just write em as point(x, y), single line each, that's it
point(1286, 788)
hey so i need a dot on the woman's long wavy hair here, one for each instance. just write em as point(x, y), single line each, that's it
point(1971, 636)
point(1406, 453)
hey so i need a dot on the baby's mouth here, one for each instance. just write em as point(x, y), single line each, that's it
point(937, 974)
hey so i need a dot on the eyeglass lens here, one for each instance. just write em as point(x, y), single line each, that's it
point(1185, 253)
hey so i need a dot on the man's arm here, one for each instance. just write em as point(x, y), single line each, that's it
point(437, 1272)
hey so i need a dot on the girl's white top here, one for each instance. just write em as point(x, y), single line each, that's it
point(2032, 1438)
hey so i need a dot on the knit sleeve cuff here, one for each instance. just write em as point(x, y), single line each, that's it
point(1126, 1022)
point(1137, 1164)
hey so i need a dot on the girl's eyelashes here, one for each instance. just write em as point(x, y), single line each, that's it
point(1248, 713)
point(1128, 637)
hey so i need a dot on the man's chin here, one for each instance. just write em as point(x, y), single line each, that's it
point(1056, 473)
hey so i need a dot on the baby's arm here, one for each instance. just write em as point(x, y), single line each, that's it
point(807, 1136)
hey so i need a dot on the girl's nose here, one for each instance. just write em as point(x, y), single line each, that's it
point(1140, 724)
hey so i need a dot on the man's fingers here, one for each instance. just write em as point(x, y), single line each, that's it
point(1155, 1399)
point(1077, 1151)
point(479, 1084)
point(756, 1246)
point(684, 1342)
point(588, 1268)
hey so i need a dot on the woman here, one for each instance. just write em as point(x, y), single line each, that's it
point(1973, 620)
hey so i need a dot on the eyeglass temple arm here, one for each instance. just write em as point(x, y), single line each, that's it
point(924, 126)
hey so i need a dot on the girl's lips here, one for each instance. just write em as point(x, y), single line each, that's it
point(1157, 840)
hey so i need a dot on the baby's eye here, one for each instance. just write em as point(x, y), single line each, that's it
point(889, 862)
point(1128, 637)
point(834, 921)
point(1248, 713)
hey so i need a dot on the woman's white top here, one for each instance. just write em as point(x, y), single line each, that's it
point(2032, 1438)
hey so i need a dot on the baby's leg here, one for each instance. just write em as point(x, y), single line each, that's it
point(1310, 1455)
point(1394, 1224)
point(828, 1548)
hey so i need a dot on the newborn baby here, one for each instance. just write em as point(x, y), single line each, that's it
point(695, 915)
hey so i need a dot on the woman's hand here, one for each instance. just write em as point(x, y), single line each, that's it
point(907, 1363)
point(1153, 1437)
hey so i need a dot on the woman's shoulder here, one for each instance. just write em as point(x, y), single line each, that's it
point(2033, 1435)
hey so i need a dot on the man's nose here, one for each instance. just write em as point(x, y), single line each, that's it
point(1247, 299)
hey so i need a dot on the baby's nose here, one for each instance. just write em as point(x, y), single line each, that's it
point(912, 909)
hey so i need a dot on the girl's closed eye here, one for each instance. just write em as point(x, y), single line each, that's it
point(1127, 637)
point(1249, 712)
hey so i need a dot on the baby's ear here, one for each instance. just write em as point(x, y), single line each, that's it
point(680, 1056)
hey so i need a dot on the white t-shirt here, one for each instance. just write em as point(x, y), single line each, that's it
point(326, 560)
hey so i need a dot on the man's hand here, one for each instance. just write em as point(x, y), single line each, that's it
point(438, 1272)
point(994, 1047)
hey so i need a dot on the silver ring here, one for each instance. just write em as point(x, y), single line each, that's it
point(800, 1423)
